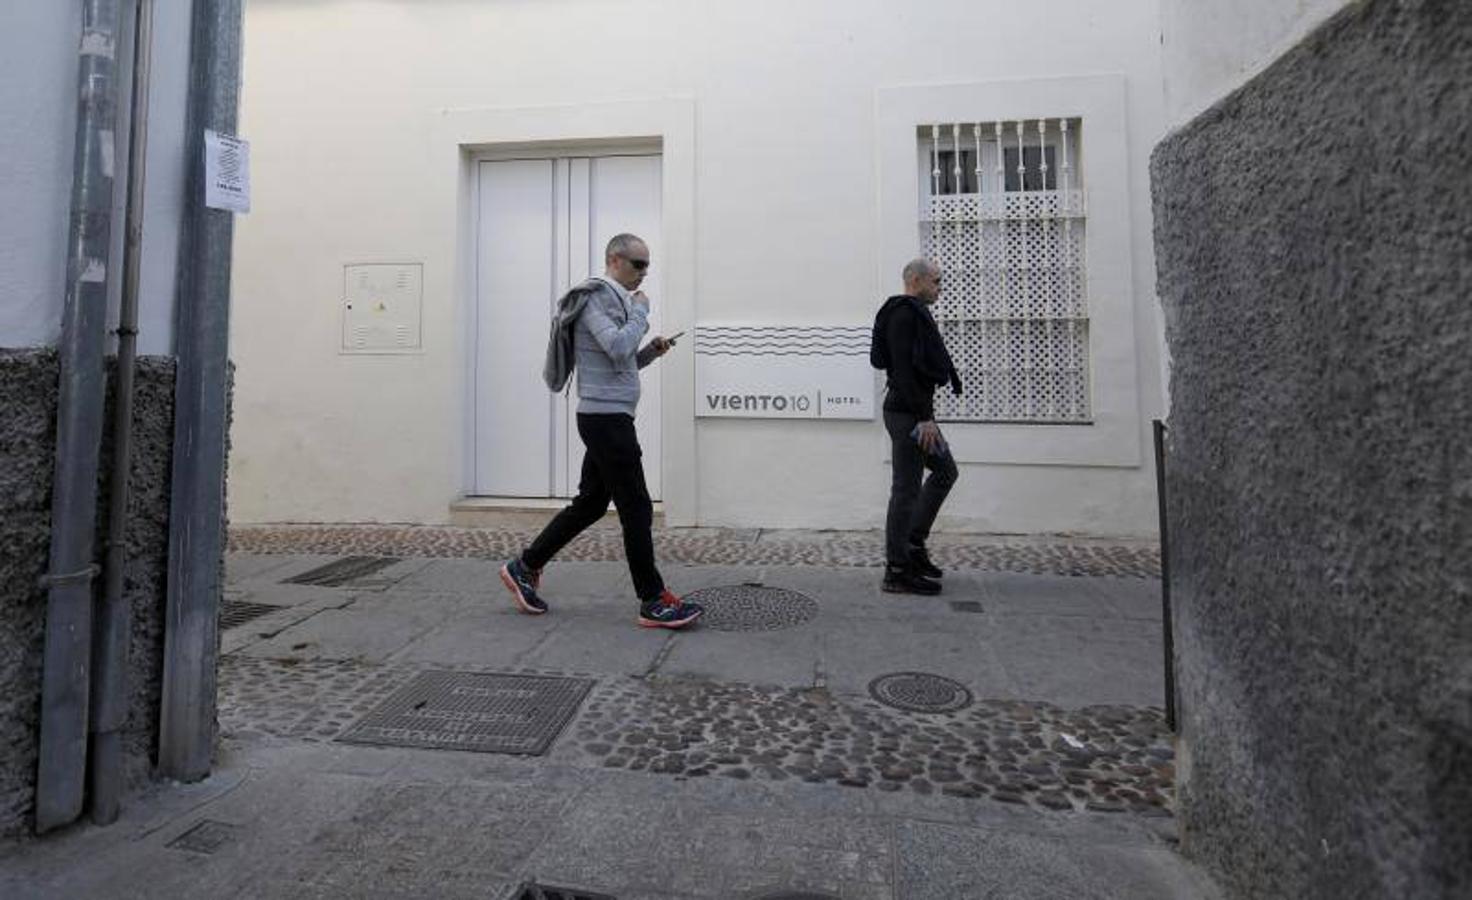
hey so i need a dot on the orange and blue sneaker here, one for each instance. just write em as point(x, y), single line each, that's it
point(522, 582)
point(668, 611)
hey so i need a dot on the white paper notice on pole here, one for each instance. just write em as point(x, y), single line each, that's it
point(226, 172)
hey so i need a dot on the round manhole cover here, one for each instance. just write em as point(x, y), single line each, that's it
point(920, 692)
point(750, 607)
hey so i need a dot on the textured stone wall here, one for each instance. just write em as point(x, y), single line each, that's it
point(28, 397)
point(1314, 245)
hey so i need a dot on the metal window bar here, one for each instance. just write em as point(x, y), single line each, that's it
point(1015, 304)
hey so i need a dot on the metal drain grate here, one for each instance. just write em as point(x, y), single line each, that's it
point(234, 613)
point(533, 891)
point(752, 607)
point(920, 692)
point(341, 572)
point(473, 711)
point(206, 837)
point(967, 606)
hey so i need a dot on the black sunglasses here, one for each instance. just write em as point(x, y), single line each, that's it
point(638, 264)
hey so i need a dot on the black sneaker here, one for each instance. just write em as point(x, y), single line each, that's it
point(904, 580)
point(920, 563)
point(522, 583)
point(668, 611)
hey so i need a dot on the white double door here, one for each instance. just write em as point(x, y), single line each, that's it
point(543, 225)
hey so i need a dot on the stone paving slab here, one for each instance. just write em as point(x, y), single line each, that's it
point(1063, 556)
point(349, 633)
point(272, 624)
point(949, 862)
point(1075, 661)
point(472, 642)
point(1044, 595)
point(790, 658)
point(954, 647)
point(241, 567)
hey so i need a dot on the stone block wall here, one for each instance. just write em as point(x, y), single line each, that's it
point(1314, 247)
point(28, 398)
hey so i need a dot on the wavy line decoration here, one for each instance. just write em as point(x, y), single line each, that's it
point(782, 340)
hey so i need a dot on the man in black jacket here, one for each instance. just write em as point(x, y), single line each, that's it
point(908, 346)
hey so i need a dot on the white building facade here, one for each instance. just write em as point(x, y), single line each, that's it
point(428, 178)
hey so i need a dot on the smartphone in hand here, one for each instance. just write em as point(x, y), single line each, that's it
point(942, 449)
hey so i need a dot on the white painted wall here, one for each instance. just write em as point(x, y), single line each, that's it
point(38, 77)
point(346, 107)
point(1212, 48)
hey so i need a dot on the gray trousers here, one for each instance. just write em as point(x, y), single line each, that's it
point(912, 506)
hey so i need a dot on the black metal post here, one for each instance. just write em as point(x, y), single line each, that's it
point(1165, 616)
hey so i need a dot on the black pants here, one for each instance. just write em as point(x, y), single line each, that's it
point(612, 470)
point(912, 508)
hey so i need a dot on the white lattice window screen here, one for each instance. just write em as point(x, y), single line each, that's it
point(1002, 212)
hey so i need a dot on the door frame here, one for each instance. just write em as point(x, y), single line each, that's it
point(459, 138)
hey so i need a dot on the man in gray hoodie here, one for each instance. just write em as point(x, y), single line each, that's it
point(613, 319)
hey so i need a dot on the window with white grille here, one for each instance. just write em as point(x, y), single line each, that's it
point(1002, 212)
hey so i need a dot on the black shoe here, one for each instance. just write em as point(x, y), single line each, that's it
point(920, 563)
point(668, 611)
point(522, 583)
point(904, 580)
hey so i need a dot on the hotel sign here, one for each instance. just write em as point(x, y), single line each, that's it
point(783, 372)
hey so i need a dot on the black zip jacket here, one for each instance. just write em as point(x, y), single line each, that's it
point(906, 343)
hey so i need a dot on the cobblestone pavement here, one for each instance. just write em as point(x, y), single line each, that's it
point(1058, 556)
point(1103, 759)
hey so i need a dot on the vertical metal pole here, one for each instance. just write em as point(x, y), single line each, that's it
point(114, 616)
point(61, 771)
point(1165, 616)
point(196, 512)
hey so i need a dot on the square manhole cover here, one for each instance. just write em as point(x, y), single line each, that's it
point(237, 612)
point(206, 837)
point(343, 571)
point(475, 711)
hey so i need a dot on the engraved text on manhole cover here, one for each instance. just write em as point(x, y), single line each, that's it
point(752, 607)
point(473, 711)
point(920, 692)
point(238, 612)
point(343, 571)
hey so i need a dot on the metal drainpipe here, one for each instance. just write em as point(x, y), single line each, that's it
point(114, 615)
point(61, 771)
point(201, 410)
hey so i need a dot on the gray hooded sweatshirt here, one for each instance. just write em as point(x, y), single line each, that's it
point(606, 342)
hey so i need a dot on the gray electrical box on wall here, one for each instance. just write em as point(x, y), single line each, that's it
point(381, 307)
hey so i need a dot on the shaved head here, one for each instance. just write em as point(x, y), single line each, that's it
point(922, 279)
point(918, 268)
point(624, 245)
